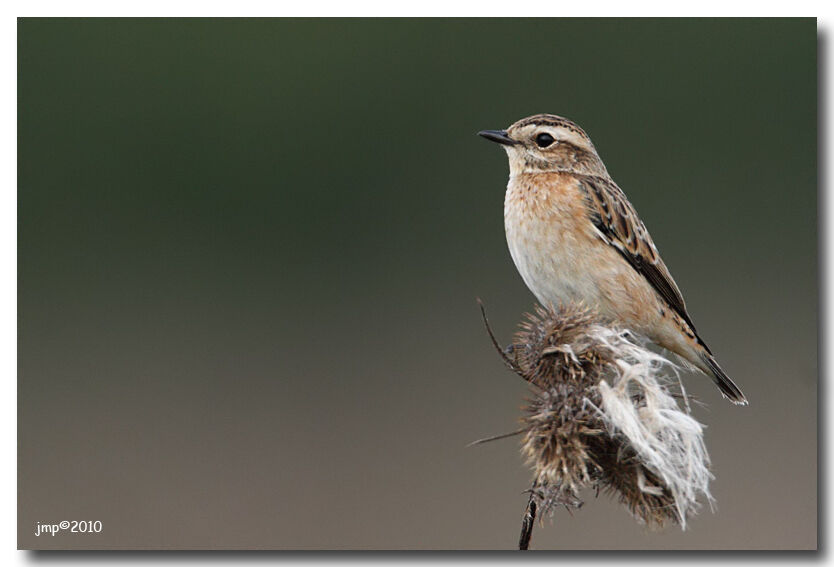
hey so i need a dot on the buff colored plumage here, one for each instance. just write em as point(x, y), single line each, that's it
point(574, 237)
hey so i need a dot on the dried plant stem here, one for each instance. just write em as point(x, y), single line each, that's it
point(507, 360)
point(528, 521)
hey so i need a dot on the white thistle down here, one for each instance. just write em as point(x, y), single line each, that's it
point(637, 405)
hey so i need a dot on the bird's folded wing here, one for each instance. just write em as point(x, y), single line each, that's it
point(618, 225)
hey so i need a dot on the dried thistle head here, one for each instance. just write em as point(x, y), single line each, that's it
point(601, 415)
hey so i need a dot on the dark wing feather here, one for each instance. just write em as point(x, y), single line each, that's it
point(618, 224)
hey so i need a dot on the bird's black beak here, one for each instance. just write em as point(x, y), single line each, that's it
point(499, 136)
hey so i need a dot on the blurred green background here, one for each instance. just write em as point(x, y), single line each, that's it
point(249, 252)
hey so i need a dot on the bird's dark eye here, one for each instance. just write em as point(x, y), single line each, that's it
point(543, 140)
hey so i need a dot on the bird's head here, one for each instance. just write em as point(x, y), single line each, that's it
point(544, 143)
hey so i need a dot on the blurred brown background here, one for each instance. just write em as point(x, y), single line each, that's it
point(249, 252)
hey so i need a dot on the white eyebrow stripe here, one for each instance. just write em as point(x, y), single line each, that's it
point(562, 134)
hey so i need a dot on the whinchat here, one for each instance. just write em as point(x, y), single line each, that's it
point(574, 237)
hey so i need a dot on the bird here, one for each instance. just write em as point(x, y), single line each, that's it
point(575, 237)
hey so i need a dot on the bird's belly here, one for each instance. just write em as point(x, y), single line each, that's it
point(554, 265)
point(563, 265)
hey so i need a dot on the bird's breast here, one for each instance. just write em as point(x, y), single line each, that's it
point(551, 239)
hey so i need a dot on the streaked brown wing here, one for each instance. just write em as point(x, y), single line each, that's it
point(618, 225)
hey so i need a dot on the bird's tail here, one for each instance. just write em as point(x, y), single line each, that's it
point(727, 386)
